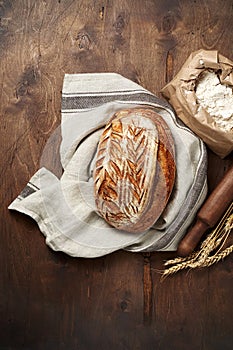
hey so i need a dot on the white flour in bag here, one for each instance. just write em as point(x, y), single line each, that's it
point(216, 99)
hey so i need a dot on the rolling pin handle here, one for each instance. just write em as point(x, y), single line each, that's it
point(192, 238)
point(209, 214)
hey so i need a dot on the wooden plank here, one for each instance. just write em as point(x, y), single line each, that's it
point(186, 315)
point(47, 299)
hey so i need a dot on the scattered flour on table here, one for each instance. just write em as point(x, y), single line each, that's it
point(216, 99)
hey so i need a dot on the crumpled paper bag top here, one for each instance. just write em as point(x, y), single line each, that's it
point(180, 92)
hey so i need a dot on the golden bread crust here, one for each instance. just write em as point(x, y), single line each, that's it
point(135, 169)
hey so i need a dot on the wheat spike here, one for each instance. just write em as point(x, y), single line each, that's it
point(217, 257)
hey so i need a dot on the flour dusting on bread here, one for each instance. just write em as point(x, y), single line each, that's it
point(134, 171)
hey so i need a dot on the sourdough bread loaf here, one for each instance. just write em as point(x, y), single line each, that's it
point(135, 169)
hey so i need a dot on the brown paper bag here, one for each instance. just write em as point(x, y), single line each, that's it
point(180, 92)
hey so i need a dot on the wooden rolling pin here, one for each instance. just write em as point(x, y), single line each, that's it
point(209, 214)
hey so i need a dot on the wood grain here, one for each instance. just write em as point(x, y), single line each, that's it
point(49, 300)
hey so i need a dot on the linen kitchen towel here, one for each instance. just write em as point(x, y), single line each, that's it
point(64, 207)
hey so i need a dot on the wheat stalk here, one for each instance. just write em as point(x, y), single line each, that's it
point(229, 223)
point(199, 263)
point(220, 256)
point(202, 258)
point(179, 259)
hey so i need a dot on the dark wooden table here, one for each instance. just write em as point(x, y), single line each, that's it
point(49, 300)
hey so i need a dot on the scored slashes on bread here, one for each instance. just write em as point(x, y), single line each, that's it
point(135, 169)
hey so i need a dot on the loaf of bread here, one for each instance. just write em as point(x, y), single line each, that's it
point(135, 169)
